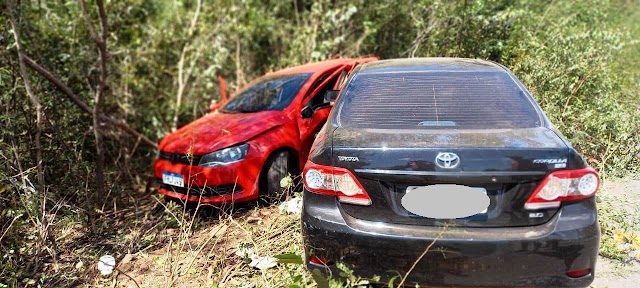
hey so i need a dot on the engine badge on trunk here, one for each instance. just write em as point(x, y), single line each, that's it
point(445, 201)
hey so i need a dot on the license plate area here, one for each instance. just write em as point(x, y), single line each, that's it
point(495, 192)
point(481, 189)
point(173, 179)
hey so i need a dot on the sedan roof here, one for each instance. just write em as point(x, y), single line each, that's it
point(439, 64)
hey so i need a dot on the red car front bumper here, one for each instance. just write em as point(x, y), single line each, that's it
point(233, 182)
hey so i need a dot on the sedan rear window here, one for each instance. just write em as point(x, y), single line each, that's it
point(436, 100)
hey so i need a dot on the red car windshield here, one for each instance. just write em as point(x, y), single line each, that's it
point(272, 93)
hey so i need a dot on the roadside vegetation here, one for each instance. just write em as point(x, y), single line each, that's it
point(92, 92)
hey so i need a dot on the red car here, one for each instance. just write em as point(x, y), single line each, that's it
point(241, 150)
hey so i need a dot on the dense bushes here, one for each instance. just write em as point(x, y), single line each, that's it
point(565, 55)
point(577, 57)
point(563, 51)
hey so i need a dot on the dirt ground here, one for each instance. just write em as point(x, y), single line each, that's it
point(157, 266)
point(610, 273)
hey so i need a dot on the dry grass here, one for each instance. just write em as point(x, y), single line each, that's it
point(160, 244)
point(200, 251)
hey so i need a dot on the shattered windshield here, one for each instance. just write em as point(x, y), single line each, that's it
point(273, 93)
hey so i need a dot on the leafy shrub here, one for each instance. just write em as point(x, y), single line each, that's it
point(563, 53)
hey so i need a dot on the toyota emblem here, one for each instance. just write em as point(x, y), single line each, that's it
point(447, 160)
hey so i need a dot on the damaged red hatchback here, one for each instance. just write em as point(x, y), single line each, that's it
point(242, 150)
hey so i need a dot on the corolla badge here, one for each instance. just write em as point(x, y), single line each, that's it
point(447, 160)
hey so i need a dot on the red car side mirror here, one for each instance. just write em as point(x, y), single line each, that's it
point(306, 112)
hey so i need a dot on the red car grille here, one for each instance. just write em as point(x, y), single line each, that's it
point(180, 158)
point(209, 191)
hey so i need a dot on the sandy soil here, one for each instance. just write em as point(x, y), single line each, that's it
point(609, 273)
point(629, 188)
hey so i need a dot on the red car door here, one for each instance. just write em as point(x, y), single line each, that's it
point(310, 126)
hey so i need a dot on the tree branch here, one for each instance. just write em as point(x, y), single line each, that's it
point(58, 83)
point(103, 21)
point(34, 99)
point(40, 117)
point(101, 43)
point(182, 79)
point(76, 100)
point(87, 21)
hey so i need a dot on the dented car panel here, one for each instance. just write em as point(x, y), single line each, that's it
point(408, 126)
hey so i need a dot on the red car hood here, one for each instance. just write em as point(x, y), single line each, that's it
point(216, 130)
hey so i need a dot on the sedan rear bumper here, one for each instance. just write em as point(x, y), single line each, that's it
point(536, 256)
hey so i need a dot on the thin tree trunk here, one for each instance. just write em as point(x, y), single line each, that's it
point(101, 43)
point(40, 118)
point(184, 79)
point(239, 72)
point(462, 31)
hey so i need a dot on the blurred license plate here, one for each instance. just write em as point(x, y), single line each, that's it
point(173, 179)
point(483, 190)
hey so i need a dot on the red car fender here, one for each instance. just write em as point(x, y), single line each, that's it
point(278, 138)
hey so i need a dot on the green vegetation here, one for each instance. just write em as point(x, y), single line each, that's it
point(620, 224)
point(619, 216)
point(580, 59)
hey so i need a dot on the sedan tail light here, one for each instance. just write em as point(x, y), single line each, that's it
point(334, 181)
point(564, 185)
point(579, 273)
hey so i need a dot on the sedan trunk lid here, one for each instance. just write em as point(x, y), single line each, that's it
point(507, 163)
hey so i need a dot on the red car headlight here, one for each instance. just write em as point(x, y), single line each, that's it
point(225, 156)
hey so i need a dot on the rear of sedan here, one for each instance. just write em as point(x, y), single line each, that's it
point(409, 127)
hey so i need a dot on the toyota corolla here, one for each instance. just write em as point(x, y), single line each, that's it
point(243, 149)
point(446, 172)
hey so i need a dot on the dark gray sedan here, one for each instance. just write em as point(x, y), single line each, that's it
point(446, 172)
